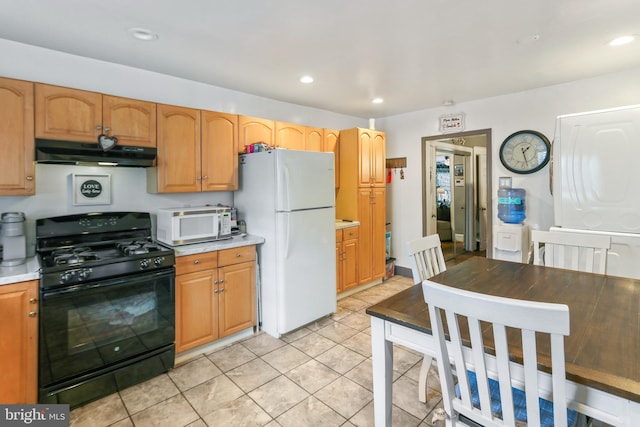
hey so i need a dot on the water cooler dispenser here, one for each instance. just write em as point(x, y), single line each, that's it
point(511, 237)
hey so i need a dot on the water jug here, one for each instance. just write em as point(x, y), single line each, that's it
point(511, 205)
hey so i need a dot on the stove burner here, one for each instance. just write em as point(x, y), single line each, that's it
point(137, 247)
point(73, 256)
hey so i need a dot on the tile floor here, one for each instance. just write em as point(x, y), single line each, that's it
point(319, 375)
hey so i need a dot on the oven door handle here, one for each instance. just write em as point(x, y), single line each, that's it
point(108, 283)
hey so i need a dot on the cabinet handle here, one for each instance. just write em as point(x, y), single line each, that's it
point(238, 255)
point(33, 300)
point(196, 261)
point(221, 290)
point(32, 314)
point(215, 282)
point(221, 281)
point(215, 291)
point(98, 127)
point(106, 130)
point(205, 177)
point(29, 178)
point(198, 178)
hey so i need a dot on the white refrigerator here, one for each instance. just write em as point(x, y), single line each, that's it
point(288, 197)
point(595, 184)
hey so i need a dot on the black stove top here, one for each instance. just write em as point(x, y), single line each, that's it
point(76, 249)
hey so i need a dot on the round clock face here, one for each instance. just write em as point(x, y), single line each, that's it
point(526, 151)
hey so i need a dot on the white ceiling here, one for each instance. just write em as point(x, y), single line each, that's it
point(413, 53)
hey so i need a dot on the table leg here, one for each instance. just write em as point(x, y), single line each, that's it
point(382, 362)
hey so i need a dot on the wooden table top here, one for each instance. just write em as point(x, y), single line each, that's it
point(603, 349)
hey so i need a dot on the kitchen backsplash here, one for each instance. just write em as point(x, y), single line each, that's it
point(54, 195)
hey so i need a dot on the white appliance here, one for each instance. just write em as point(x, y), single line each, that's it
point(594, 181)
point(511, 242)
point(181, 226)
point(288, 197)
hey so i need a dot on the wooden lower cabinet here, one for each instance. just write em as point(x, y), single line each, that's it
point(215, 295)
point(19, 342)
point(346, 258)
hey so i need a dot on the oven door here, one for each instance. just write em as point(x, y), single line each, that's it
point(95, 325)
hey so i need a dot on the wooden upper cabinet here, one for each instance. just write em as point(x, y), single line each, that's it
point(67, 114)
point(16, 138)
point(290, 136)
point(133, 122)
point(178, 162)
point(219, 151)
point(372, 158)
point(254, 130)
point(78, 115)
point(314, 139)
point(331, 143)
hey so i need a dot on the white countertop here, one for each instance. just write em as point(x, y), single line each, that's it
point(234, 242)
point(30, 270)
point(340, 224)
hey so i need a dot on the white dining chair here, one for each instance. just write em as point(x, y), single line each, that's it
point(427, 260)
point(485, 391)
point(572, 251)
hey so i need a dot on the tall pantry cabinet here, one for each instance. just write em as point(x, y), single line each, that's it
point(362, 196)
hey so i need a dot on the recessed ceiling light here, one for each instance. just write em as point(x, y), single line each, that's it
point(377, 101)
point(142, 34)
point(306, 79)
point(448, 102)
point(621, 40)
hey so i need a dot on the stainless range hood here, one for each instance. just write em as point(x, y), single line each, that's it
point(88, 153)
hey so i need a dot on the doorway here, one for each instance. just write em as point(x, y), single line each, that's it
point(455, 202)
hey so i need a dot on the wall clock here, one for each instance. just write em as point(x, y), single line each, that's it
point(525, 151)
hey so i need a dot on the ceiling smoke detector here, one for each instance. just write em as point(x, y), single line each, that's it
point(142, 34)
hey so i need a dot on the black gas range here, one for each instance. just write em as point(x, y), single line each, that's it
point(107, 305)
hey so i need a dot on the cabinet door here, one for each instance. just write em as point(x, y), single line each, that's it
point(350, 263)
point(253, 130)
point(365, 144)
point(219, 151)
point(378, 232)
point(332, 144)
point(19, 343)
point(178, 161)
point(339, 258)
point(67, 114)
point(365, 272)
point(133, 122)
point(196, 309)
point(378, 159)
point(313, 139)
point(290, 136)
point(16, 138)
point(237, 297)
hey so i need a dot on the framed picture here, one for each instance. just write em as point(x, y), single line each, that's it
point(91, 189)
point(458, 170)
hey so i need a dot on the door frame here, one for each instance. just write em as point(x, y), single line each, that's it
point(428, 175)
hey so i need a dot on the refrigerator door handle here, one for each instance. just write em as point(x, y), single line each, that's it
point(286, 187)
point(287, 238)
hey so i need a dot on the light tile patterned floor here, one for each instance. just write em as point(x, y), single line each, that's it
point(319, 375)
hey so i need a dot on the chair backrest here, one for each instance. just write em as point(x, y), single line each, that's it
point(425, 255)
point(462, 307)
point(573, 251)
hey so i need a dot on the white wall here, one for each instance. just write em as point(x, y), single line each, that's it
point(53, 185)
point(534, 109)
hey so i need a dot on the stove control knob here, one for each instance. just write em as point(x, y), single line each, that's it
point(144, 263)
point(84, 273)
point(158, 261)
point(64, 277)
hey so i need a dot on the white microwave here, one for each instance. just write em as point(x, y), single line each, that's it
point(181, 226)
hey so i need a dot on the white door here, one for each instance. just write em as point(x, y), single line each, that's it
point(306, 266)
point(595, 170)
point(304, 180)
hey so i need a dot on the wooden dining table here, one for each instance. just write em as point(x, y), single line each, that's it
point(602, 352)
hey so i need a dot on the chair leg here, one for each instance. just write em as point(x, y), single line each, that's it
point(422, 379)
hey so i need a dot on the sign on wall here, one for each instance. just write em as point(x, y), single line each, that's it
point(452, 123)
point(91, 189)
